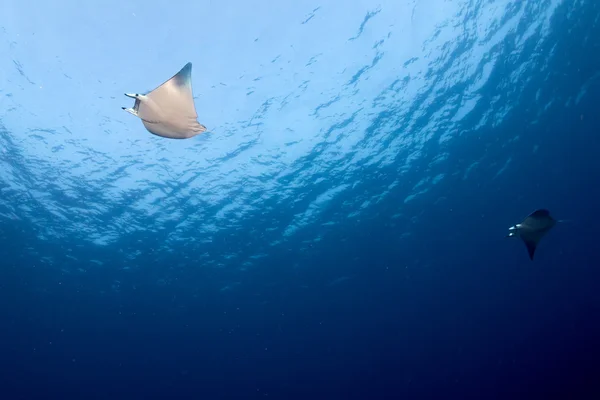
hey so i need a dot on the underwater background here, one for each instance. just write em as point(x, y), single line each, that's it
point(340, 232)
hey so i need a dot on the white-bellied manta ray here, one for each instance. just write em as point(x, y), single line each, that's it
point(532, 229)
point(169, 110)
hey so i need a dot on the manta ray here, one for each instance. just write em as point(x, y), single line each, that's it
point(533, 228)
point(169, 111)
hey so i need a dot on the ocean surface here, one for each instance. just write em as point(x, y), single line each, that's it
point(340, 231)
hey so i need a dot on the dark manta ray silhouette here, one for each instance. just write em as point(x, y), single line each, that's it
point(533, 228)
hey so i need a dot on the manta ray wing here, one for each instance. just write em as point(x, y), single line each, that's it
point(534, 227)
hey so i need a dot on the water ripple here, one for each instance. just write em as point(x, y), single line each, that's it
point(321, 122)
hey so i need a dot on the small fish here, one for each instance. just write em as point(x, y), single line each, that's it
point(535, 226)
point(169, 111)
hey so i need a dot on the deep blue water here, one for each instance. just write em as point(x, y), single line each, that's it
point(375, 269)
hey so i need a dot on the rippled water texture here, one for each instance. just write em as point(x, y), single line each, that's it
point(319, 114)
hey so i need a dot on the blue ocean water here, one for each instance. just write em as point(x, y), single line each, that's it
point(340, 231)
